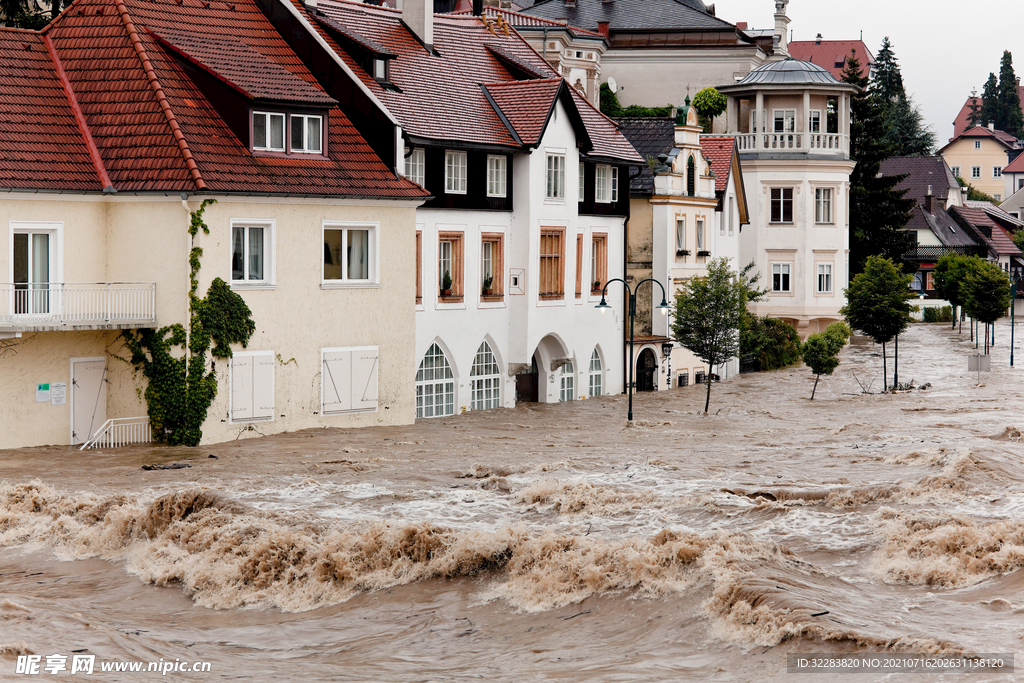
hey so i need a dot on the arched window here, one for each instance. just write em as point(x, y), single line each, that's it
point(595, 374)
point(485, 380)
point(691, 177)
point(567, 391)
point(435, 385)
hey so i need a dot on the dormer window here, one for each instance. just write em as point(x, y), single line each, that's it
point(267, 132)
point(307, 134)
point(380, 69)
point(287, 133)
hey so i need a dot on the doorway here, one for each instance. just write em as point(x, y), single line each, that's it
point(528, 384)
point(88, 397)
point(646, 371)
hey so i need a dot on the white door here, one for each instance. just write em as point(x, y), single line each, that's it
point(33, 267)
point(88, 397)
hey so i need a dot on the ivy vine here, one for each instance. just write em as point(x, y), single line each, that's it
point(180, 390)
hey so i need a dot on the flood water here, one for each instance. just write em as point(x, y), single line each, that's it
point(548, 542)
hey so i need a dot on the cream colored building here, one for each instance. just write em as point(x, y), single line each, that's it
point(978, 157)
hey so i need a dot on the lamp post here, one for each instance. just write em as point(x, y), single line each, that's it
point(603, 306)
point(1014, 281)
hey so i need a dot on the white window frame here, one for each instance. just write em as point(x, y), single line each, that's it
point(615, 184)
point(698, 235)
point(582, 182)
point(256, 359)
point(680, 233)
point(415, 167)
point(373, 260)
point(554, 177)
point(782, 203)
point(485, 390)
point(977, 144)
point(454, 171)
point(497, 175)
point(269, 246)
point(825, 271)
point(975, 172)
point(55, 261)
point(567, 383)
point(823, 200)
point(303, 120)
point(448, 392)
point(997, 172)
point(364, 359)
point(380, 69)
point(595, 375)
point(814, 121)
point(602, 184)
point(956, 171)
point(284, 131)
point(788, 120)
point(785, 269)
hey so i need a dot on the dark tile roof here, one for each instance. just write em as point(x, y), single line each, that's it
point(831, 54)
point(789, 72)
point(42, 146)
point(987, 230)
point(942, 225)
point(960, 124)
point(922, 172)
point(660, 15)
point(154, 128)
point(650, 137)
point(527, 105)
point(719, 152)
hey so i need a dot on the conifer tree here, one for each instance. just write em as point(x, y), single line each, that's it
point(878, 211)
point(973, 109)
point(990, 100)
point(888, 79)
point(1009, 118)
point(906, 133)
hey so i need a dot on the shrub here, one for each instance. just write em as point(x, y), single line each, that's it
point(773, 343)
point(936, 314)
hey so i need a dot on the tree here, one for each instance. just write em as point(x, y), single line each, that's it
point(990, 100)
point(707, 316)
point(709, 103)
point(1009, 118)
point(25, 14)
point(610, 106)
point(878, 211)
point(948, 274)
point(906, 134)
point(821, 350)
point(986, 293)
point(1018, 238)
point(877, 305)
point(974, 109)
point(888, 80)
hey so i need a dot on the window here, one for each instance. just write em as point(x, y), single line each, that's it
point(252, 386)
point(449, 264)
point(34, 267)
point(782, 205)
point(485, 380)
point(956, 171)
point(602, 184)
point(579, 266)
point(975, 171)
point(454, 172)
point(566, 391)
point(415, 167)
point(698, 234)
point(680, 234)
point(780, 277)
point(419, 267)
point(306, 134)
point(815, 122)
point(250, 250)
point(348, 380)
point(435, 385)
point(552, 273)
point(785, 120)
point(824, 278)
point(615, 184)
point(380, 69)
point(997, 171)
point(350, 254)
point(492, 272)
point(267, 131)
point(496, 172)
point(823, 205)
point(556, 176)
point(691, 177)
point(599, 261)
point(596, 375)
point(997, 197)
point(929, 280)
point(581, 182)
point(977, 144)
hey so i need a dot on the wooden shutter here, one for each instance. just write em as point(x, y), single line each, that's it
point(263, 386)
point(241, 387)
point(336, 380)
point(364, 379)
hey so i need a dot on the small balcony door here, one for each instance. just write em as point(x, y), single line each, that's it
point(34, 270)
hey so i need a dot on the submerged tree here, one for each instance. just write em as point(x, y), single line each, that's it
point(821, 350)
point(877, 304)
point(949, 273)
point(707, 316)
point(986, 293)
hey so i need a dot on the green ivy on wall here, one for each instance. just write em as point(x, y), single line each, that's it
point(180, 390)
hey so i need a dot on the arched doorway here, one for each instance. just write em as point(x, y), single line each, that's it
point(646, 371)
point(528, 383)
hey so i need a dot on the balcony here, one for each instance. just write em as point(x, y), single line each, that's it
point(38, 307)
point(806, 143)
point(931, 254)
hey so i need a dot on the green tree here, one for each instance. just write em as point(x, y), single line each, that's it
point(1018, 238)
point(973, 109)
point(878, 211)
point(707, 316)
point(709, 103)
point(906, 133)
point(949, 273)
point(821, 350)
point(609, 101)
point(25, 14)
point(990, 100)
point(888, 81)
point(1009, 118)
point(877, 304)
point(986, 293)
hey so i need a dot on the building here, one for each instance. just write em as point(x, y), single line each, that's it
point(978, 156)
point(1013, 173)
point(962, 121)
point(833, 54)
point(796, 170)
point(525, 224)
point(122, 116)
point(990, 227)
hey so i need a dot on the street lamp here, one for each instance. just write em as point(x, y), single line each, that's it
point(603, 306)
point(1015, 279)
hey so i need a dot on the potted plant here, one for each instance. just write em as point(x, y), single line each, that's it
point(682, 252)
point(704, 253)
point(487, 290)
point(597, 286)
point(446, 284)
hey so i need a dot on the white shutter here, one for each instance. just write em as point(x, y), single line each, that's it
point(364, 379)
point(263, 386)
point(241, 387)
point(336, 381)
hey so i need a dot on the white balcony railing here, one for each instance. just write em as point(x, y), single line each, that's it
point(120, 431)
point(78, 305)
point(815, 143)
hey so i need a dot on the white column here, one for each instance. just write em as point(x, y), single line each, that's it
point(761, 124)
point(807, 120)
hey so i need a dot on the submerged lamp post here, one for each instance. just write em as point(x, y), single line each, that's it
point(603, 306)
point(1014, 281)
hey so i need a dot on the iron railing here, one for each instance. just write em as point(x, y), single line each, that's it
point(932, 253)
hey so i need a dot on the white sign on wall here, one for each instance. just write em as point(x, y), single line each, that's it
point(42, 393)
point(58, 393)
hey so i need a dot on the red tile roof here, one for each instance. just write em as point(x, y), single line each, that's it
point(608, 141)
point(719, 151)
point(960, 123)
point(1005, 139)
point(156, 130)
point(42, 146)
point(527, 105)
point(831, 54)
point(999, 242)
point(1015, 166)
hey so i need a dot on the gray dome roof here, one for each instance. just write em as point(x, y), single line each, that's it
point(789, 72)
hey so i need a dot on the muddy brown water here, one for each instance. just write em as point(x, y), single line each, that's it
point(548, 542)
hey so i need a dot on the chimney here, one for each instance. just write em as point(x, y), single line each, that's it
point(817, 39)
point(928, 200)
point(741, 25)
point(991, 125)
point(602, 28)
point(781, 28)
point(418, 15)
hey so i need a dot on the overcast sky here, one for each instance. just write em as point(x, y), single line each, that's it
point(944, 48)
